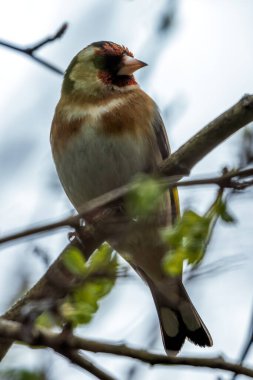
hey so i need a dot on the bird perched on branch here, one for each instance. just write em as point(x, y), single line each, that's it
point(105, 130)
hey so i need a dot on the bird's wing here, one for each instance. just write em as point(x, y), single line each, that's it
point(164, 148)
point(161, 135)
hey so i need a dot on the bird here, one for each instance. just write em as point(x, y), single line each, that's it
point(105, 131)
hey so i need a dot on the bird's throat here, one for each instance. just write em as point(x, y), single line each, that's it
point(116, 80)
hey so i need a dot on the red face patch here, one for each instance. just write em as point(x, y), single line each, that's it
point(114, 49)
point(120, 81)
point(109, 59)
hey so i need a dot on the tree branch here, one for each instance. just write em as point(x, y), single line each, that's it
point(29, 51)
point(179, 163)
point(231, 180)
point(54, 285)
point(208, 138)
point(86, 364)
point(72, 343)
point(59, 33)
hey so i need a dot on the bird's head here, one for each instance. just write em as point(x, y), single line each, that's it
point(100, 69)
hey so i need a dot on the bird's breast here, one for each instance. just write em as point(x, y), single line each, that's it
point(99, 148)
point(94, 162)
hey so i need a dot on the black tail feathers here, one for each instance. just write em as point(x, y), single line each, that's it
point(179, 321)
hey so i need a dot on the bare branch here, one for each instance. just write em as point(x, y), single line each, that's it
point(230, 180)
point(29, 51)
point(247, 345)
point(72, 343)
point(85, 363)
point(45, 41)
point(180, 162)
point(208, 138)
point(54, 285)
point(214, 268)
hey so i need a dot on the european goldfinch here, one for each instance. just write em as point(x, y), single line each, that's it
point(106, 130)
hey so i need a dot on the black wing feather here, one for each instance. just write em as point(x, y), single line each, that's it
point(164, 148)
point(161, 135)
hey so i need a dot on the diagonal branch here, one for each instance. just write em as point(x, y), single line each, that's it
point(247, 345)
point(85, 363)
point(59, 33)
point(29, 51)
point(180, 162)
point(208, 138)
point(71, 343)
point(230, 180)
point(54, 285)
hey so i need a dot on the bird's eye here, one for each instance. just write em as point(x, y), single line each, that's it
point(112, 62)
point(107, 62)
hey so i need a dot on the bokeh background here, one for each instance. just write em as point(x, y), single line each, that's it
point(200, 56)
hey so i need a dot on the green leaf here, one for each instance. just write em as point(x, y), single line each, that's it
point(188, 238)
point(45, 320)
point(78, 313)
point(96, 277)
point(100, 276)
point(222, 211)
point(74, 261)
point(173, 263)
point(102, 258)
point(84, 302)
point(145, 196)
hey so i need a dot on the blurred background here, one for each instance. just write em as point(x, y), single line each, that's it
point(200, 56)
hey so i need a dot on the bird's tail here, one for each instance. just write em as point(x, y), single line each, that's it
point(179, 320)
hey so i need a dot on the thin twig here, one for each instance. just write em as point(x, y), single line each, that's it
point(29, 51)
point(58, 342)
point(180, 162)
point(45, 41)
point(216, 267)
point(224, 181)
point(247, 345)
point(85, 363)
point(209, 137)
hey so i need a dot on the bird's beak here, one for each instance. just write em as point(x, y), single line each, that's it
point(129, 65)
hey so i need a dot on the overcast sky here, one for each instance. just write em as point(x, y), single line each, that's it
point(201, 68)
